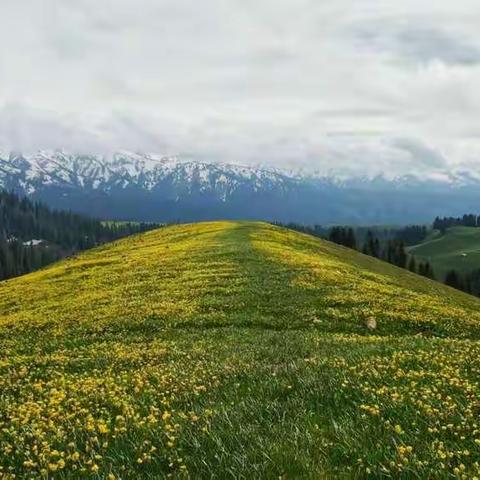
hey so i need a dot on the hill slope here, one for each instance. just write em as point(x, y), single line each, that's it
point(458, 249)
point(235, 349)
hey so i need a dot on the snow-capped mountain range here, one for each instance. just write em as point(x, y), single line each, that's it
point(126, 170)
point(136, 186)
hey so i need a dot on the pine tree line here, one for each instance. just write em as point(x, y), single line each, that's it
point(412, 234)
point(393, 251)
point(467, 220)
point(466, 282)
point(32, 235)
point(343, 236)
point(315, 230)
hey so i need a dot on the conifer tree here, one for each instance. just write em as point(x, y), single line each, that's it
point(452, 279)
point(412, 266)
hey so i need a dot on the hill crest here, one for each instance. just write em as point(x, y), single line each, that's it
point(232, 273)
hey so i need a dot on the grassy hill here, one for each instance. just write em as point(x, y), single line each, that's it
point(458, 249)
point(236, 350)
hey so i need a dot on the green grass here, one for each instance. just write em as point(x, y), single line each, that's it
point(236, 350)
point(446, 252)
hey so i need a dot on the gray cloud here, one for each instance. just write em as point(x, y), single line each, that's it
point(418, 43)
point(420, 154)
point(325, 86)
point(430, 44)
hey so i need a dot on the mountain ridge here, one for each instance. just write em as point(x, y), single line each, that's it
point(148, 187)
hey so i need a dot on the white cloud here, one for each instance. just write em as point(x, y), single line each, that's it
point(360, 87)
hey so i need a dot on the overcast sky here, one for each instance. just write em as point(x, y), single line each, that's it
point(349, 86)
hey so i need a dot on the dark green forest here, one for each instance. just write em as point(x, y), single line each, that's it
point(32, 235)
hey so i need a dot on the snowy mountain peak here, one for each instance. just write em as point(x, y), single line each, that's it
point(123, 170)
point(137, 186)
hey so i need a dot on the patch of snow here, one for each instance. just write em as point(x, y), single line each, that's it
point(32, 243)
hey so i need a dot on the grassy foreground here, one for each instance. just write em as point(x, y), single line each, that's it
point(458, 249)
point(236, 350)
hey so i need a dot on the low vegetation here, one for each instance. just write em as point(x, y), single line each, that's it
point(236, 350)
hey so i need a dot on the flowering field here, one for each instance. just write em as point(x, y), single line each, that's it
point(236, 350)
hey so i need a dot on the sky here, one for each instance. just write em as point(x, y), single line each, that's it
point(348, 87)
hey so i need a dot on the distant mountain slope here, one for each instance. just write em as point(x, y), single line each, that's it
point(235, 350)
point(143, 187)
point(128, 170)
point(457, 249)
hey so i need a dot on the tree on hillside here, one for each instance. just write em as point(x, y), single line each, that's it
point(335, 235)
point(412, 234)
point(412, 266)
point(452, 279)
point(467, 284)
point(467, 220)
point(350, 240)
point(401, 255)
point(343, 236)
point(425, 269)
point(394, 253)
point(372, 245)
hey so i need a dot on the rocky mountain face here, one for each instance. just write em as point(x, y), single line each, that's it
point(145, 187)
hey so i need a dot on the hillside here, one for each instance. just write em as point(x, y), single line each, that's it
point(458, 249)
point(235, 350)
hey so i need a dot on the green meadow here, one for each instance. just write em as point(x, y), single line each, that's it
point(236, 350)
point(457, 249)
